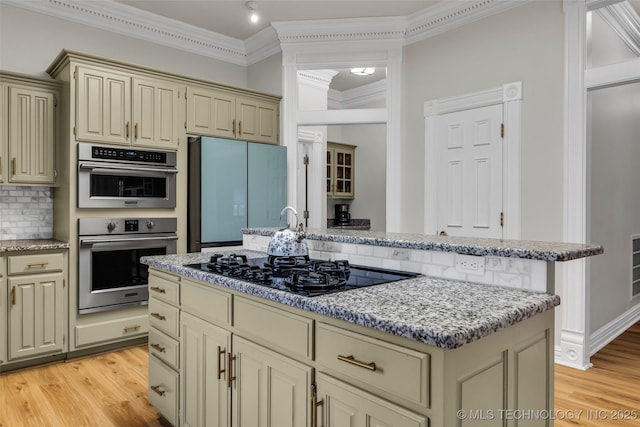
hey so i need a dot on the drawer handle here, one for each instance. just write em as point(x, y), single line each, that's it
point(351, 360)
point(13, 295)
point(37, 264)
point(158, 289)
point(221, 351)
point(129, 329)
point(158, 316)
point(230, 379)
point(157, 389)
point(158, 347)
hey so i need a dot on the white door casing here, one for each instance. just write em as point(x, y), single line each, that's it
point(469, 172)
point(508, 98)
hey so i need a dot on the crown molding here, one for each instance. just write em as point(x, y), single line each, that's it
point(320, 79)
point(625, 22)
point(389, 31)
point(447, 15)
point(132, 22)
point(366, 94)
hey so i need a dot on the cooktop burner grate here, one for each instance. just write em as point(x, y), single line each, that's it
point(300, 274)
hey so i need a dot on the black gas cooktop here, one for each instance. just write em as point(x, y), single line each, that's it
point(300, 274)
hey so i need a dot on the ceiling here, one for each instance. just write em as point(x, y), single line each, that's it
point(231, 18)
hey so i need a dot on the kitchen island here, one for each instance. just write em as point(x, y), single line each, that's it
point(426, 351)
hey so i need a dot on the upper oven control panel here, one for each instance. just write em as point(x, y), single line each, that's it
point(88, 151)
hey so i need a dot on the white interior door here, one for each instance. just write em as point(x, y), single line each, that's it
point(469, 172)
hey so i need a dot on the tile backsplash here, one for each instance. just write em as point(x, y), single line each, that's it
point(26, 212)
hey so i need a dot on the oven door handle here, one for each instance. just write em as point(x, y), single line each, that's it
point(89, 242)
point(140, 170)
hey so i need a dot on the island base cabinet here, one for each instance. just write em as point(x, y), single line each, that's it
point(204, 391)
point(341, 405)
point(269, 389)
point(163, 390)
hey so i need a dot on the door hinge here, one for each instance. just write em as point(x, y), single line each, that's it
point(501, 219)
point(501, 130)
point(305, 214)
point(306, 159)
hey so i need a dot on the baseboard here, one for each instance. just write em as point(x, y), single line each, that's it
point(614, 329)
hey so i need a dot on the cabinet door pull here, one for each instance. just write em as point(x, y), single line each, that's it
point(13, 166)
point(135, 131)
point(13, 295)
point(230, 378)
point(158, 289)
point(127, 130)
point(158, 316)
point(351, 360)
point(37, 264)
point(158, 390)
point(221, 351)
point(240, 127)
point(129, 329)
point(158, 347)
point(314, 406)
point(233, 127)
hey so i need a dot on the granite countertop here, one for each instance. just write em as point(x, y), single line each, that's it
point(31, 245)
point(438, 312)
point(526, 249)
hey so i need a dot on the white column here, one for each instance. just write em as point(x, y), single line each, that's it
point(394, 140)
point(575, 293)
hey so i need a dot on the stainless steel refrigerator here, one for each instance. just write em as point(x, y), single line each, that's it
point(232, 185)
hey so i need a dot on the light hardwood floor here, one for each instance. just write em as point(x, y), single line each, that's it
point(110, 390)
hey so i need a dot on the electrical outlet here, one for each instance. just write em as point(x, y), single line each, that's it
point(470, 264)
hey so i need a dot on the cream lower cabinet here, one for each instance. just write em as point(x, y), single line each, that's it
point(346, 406)
point(269, 389)
point(36, 305)
point(205, 391)
point(3, 310)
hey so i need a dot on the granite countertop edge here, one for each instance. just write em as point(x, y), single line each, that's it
point(440, 312)
point(23, 245)
point(524, 249)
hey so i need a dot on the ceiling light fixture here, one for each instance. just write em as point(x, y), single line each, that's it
point(363, 71)
point(253, 11)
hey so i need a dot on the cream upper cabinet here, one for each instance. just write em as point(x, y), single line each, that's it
point(103, 106)
point(36, 295)
point(257, 120)
point(119, 108)
point(224, 114)
point(4, 135)
point(28, 114)
point(269, 389)
point(341, 161)
point(156, 109)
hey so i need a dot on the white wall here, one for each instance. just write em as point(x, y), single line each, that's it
point(615, 199)
point(524, 43)
point(266, 75)
point(30, 41)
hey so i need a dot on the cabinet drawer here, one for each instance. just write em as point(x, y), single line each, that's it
point(112, 330)
point(164, 317)
point(164, 347)
point(387, 367)
point(163, 389)
point(41, 263)
point(163, 288)
point(206, 302)
point(278, 329)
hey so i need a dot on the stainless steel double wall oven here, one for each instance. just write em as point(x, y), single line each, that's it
point(110, 274)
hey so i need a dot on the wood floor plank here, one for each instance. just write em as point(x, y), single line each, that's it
point(110, 390)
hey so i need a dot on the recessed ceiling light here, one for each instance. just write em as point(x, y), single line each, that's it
point(363, 71)
point(253, 11)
